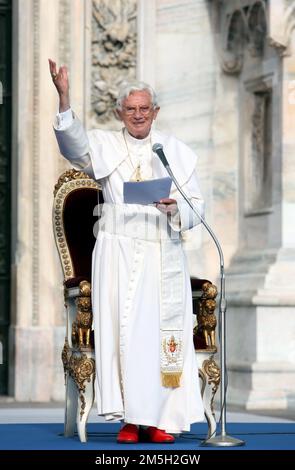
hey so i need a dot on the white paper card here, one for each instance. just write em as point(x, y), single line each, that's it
point(147, 192)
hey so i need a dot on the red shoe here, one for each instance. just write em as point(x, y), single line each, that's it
point(156, 435)
point(128, 434)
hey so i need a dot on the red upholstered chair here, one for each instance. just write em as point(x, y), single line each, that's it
point(75, 199)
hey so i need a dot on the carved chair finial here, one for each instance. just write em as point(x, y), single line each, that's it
point(69, 175)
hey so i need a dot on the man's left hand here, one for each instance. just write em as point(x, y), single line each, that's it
point(167, 206)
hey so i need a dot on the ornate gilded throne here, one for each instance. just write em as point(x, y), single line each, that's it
point(76, 196)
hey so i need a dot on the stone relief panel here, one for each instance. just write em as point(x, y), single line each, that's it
point(114, 37)
point(260, 169)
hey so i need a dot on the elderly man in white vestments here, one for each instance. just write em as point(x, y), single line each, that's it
point(146, 369)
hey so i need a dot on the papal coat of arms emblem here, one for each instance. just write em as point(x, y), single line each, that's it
point(171, 349)
point(172, 344)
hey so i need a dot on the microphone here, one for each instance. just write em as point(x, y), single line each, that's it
point(223, 439)
point(158, 149)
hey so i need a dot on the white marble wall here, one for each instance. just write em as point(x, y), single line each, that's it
point(185, 77)
point(200, 107)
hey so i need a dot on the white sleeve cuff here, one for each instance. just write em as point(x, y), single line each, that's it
point(185, 218)
point(64, 120)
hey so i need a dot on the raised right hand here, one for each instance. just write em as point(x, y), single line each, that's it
point(61, 83)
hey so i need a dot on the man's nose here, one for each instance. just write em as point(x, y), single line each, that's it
point(138, 113)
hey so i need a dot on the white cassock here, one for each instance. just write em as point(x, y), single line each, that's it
point(127, 278)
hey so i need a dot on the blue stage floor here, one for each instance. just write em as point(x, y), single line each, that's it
point(257, 436)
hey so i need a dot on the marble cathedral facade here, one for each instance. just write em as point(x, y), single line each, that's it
point(225, 74)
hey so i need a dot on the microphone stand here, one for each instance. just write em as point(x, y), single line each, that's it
point(223, 439)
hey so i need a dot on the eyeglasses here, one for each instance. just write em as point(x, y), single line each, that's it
point(130, 110)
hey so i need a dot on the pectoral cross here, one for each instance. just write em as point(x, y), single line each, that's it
point(137, 177)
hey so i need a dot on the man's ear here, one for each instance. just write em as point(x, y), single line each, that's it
point(117, 114)
point(156, 110)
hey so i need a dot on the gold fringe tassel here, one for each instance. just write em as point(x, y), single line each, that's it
point(171, 379)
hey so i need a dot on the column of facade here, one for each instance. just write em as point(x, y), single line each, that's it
point(38, 322)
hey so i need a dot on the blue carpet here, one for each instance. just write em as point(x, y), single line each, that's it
point(257, 436)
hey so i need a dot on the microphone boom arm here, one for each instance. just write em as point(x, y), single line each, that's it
point(223, 439)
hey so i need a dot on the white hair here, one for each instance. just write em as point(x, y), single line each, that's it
point(130, 87)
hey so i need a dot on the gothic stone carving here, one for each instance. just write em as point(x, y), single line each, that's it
point(244, 29)
point(257, 29)
point(236, 40)
point(282, 30)
point(260, 170)
point(113, 52)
